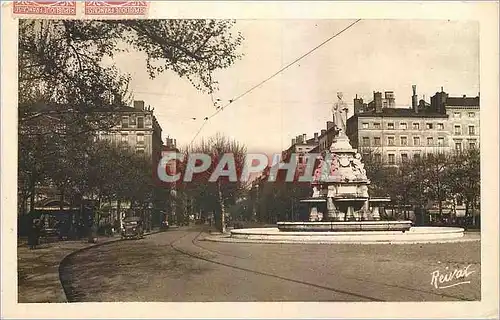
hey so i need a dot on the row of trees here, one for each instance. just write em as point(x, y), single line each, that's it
point(440, 179)
point(79, 168)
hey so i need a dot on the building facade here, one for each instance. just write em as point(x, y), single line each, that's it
point(464, 123)
point(138, 130)
point(397, 134)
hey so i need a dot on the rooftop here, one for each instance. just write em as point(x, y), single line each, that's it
point(462, 101)
point(402, 113)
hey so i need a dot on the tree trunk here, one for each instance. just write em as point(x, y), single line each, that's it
point(32, 197)
point(440, 203)
point(61, 199)
point(222, 209)
point(119, 212)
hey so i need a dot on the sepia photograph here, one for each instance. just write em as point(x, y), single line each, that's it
point(249, 159)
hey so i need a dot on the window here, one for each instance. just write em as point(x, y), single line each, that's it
point(458, 146)
point(416, 141)
point(404, 157)
point(472, 130)
point(392, 158)
point(441, 141)
point(376, 141)
point(140, 139)
point(416, 156)
point(416, 126)
point(378, 157)
point(440, 126)
point(472, 145)
point(140, 151)
point(428, 126)
point(390, 141)
point(140, 122)
point(366, 141)
point(458, 130)
point(430, 141)
point(404, 141)
point(125, 122)
point(472, 114)
point(403, 126)
point(390, 126)
point(376, 125)
point(365, 125)
point(124, 138)
point(457, 115)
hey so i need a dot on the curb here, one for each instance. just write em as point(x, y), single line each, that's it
point(229, 239)
point(64, 282)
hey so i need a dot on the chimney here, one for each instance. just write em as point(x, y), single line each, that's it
point(323, 131)
point(293, 141)
point(175, 142)
point(391, 100)
point(304, 138)
point(316, 136)
point(438, 102)
point(358, 105)
point(414, 98)
point(329, 125)
point(377, 98)
point(139, 104)
point(298, 139)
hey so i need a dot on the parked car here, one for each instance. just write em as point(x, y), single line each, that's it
point(132, 228)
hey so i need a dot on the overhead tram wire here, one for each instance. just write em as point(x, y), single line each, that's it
point(272, 76)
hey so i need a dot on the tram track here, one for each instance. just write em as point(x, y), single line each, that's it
point(192, 255)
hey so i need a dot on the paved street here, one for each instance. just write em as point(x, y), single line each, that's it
point(179, 266)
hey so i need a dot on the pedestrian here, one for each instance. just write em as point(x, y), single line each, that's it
point(34, 234)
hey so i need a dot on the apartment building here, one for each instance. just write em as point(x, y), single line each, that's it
point(398, 134)
point(137, 129)
point(463, 115)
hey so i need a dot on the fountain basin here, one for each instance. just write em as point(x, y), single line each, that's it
point(413, 235)
point(344, 226)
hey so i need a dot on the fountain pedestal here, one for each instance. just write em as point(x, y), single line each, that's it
point(344, 226)
point(340, 180)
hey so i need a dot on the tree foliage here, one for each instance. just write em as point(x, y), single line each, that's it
point(441, 179)
point(67, 93)
point(61, 61)
point(215, 196)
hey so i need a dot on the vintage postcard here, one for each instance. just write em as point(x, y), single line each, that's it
point(249, 159)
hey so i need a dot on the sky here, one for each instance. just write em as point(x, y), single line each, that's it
point(373, 55)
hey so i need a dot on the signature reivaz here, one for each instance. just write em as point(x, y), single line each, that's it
point(450, 278)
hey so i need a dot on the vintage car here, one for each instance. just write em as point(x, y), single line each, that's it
point(132, 228)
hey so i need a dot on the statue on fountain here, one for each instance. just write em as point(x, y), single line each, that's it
point(358, 167)
point(338, 111)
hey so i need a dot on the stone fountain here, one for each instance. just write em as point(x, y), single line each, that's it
point(340, 200)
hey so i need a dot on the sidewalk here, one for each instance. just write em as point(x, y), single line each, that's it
point(38, 270)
